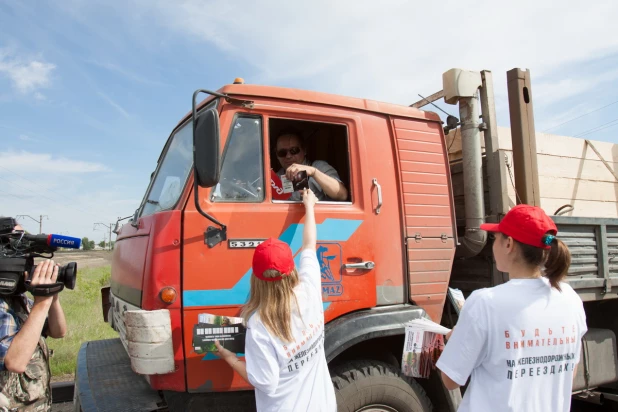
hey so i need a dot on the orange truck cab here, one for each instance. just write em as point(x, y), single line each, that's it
point(386, 252)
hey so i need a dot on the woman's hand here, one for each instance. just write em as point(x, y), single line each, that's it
point(310, 231)
point(448, 335)
point(309, 198)
point(230, 357)
point(225, 354)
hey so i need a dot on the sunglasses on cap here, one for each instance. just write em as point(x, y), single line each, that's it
point(284, 152)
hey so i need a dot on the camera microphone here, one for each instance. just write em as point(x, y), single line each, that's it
point(54, 240)
point(17, 253)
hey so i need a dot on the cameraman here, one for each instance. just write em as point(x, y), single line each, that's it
point(24, 357)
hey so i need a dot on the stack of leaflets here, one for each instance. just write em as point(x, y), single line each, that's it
point(228, 330)
point(457, 299)
point(423, 345)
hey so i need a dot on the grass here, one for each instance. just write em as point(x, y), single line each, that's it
point(82, 309)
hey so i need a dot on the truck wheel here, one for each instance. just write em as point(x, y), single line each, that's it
point(367, 385)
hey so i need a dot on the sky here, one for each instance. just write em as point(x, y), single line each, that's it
point(90, 89)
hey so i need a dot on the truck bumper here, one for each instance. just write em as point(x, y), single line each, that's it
point(146, 336)
point(105, 382)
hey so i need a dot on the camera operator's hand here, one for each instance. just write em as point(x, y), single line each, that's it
point(45, 273)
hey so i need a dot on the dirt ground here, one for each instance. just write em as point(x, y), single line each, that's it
point(84, 259)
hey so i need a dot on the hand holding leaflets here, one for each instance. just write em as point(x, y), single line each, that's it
point(423, 345)
point(457, 299)
point(424, 341)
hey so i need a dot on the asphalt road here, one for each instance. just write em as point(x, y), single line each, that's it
point(62, 407)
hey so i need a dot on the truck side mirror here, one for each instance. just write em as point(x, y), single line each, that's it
point(206, 147)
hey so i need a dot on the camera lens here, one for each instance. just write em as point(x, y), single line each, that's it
point(68, 275)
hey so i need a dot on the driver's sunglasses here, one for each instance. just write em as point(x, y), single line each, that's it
point(284, 152)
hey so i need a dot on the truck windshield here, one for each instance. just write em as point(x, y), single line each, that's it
point(173, 171)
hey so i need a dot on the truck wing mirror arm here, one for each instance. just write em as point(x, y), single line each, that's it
point(206, 160)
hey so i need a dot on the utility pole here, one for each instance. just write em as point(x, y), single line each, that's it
point(109, 227)
point(40, 221)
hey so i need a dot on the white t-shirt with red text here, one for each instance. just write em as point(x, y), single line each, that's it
point(520, 343)
point(293, 376)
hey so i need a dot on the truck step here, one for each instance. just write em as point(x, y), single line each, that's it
point(105, 382)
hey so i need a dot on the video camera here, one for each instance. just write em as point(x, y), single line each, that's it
point(17, 252)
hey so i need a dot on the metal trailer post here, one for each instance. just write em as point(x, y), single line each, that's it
point(523, 136)
point(497, 180)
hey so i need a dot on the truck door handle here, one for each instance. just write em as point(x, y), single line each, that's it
point(362, 265)
point(375, 182)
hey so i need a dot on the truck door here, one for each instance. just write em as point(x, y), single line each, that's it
point(345, 228)
point(216, 280)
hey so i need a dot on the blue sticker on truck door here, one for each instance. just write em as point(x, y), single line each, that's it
point(329, 257)
point(333, 230)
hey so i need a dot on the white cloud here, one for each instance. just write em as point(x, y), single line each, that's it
point(550, 92)
point(72, 212)
point(26, 74)
point(73, 202)
point(46, 163)
point(392, 50)
point(26, 138)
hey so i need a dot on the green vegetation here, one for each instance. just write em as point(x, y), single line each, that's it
point(87, 244)
point(82, 308)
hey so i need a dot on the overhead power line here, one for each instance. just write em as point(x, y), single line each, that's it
point(598, 128)
point(579, 117)
point(40, 221)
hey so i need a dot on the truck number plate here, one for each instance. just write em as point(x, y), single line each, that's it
point(244, 243)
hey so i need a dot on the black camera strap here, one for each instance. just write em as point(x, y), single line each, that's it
point(45, 290)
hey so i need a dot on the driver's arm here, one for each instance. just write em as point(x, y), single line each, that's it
point(332, 187)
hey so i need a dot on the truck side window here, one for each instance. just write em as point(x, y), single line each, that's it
point(242, 171)
point(322, 146)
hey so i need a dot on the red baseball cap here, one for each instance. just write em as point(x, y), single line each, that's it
point(272, 254)
point(526, 224)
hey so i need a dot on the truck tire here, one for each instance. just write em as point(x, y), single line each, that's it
point(367, 385)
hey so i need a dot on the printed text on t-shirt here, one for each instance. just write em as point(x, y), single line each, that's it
point(561, 335)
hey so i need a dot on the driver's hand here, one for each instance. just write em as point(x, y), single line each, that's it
point(294, 169)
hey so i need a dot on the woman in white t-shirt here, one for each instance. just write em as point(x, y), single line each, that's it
point(284, 346)
point(519, 342)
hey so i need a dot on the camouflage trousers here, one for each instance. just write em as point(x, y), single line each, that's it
point(28, 391)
